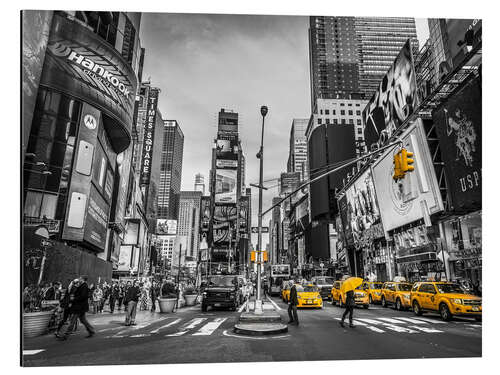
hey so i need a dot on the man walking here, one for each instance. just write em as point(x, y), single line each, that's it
point(154, 293)
point(292, 306)
point(349, 308)
point(131, 300)
point(121, 294)
point(79, 306)
point(113, 296)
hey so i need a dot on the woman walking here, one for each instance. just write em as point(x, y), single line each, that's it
point(97, 297)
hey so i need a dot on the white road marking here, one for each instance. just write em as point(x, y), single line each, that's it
point(474, 325)
point(398, 328)
point(141, 335)
point(390, 320)
point(138, 326)
point(414, 321)
point(191, 324)
point(33, 352)
point(369, 321)
point(166, 325)
point(274, 304)
point(426, 329)
point(109, 329)
point(372, 328)
point(429, 320)
point(210, 327)
point(243, 306)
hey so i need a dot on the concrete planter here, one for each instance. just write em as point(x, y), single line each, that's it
point(36, 323)
point(166, 304)
point(190, 299)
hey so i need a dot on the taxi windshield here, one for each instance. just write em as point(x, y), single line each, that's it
point(404, 287)
point(299, 288)
point(449, 288)
point(310, 288)
point(360, 287)
point(376, 286)
point(326, 280)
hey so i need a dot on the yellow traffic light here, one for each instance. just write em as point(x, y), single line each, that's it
point(398, 173)
point(252, 256)
point(264, 256)
point(406, 161)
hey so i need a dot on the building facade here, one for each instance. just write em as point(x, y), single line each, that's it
point(297, 152)
point(188, 224)
point(78, 152)
point(199, 183)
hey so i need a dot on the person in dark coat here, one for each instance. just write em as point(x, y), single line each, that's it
point(292, 306)
point(154, 294)
point(79, 307)
point(266, 289)
point(65, 304)
point(113, 296)
point(131, 300)
point(121, 295)
point(349, 308)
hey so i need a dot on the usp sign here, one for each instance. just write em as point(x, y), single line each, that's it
point(256, 229)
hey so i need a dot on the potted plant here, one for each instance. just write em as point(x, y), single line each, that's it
point(168, 298)
point(36, 316)
point(190, 295)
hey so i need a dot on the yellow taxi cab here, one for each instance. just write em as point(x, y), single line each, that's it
point(335, 292)
point(396, 294)
point(449, 299)
point(285, 291)
point(360, 295)
point(374, 290)
point(309, 296)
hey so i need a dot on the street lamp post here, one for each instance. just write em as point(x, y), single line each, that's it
point(260, 155)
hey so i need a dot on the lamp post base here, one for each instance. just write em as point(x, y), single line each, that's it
point(258, 307)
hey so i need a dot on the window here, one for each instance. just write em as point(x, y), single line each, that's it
point(327, 111)
point(335, 121)
point(320, 111)
point(358, 122)
point(342, 112)
point(319, 121)
point(40, 205)
point(358, 113)
point(328, 121)
point(343, 121)
point(360, 131)
point(351, 121)
point(350, 112)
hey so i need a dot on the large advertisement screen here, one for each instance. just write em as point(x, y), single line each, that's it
point(458, 124)
point(96, 220)
point(227, 149)
point(205, 214)
point(395, 99)
point(224, 222)
point(289, 181)
point(363, 210)
point(225, 185)
point(164, 226)
point(82, 63)
point(417, 195)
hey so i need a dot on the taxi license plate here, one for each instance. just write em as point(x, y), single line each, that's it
point(309, 301)
point(475, 308)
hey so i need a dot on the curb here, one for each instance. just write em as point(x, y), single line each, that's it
point(253, 330)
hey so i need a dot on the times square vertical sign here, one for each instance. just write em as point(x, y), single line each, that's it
point(149, 132)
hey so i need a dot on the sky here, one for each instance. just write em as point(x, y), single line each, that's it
point(204, 62)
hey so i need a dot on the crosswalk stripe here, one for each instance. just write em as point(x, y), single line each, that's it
point(390, 320)
point(138, 326)
point(189, 325)
point(177, 333)
point(429, 320)
point(372, 328)
point(426, 329)
point(414, 321)
point(166, 326)
point(33, 352)
point(210, 327)
point(369, 321)
point(400, 329)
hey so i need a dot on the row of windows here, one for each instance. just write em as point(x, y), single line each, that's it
point(339, 121)
point(342, 112)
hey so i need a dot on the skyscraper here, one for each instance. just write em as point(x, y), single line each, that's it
point(199, 183)
point(297, 153)
point(349, 55)
point(189, 221)
point(170, 170)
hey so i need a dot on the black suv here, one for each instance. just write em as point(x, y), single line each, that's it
point(221, 291)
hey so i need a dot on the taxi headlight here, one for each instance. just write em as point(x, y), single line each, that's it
point(457, 301)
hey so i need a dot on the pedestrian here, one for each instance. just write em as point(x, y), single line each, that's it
point(121, 294)
point(96, 299)
point(131, 300)
point(266, 289)
point(66, 300)
point(154, 294)
point(144, 296)
point(79, 306)
point(128, 285)
point(292, 306)
point(113, 296)
point(349, 308)
point(49, 293)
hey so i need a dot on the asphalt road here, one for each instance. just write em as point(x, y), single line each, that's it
point(190, 336)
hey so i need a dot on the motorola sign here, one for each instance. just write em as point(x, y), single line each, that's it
point(90, 121)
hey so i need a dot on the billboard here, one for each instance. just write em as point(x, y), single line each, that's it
point(455, 30)
point(458, 125)
point(149, 133)
point(362, 210)
point(205, 214)
point(289, 181)
point(224, 217)
point(417, 195)
point(395, 99)
point(225, 185)
point(227, 149)
point(96, 219)
point(80, 62)
point(164, 226)
point(125, 258)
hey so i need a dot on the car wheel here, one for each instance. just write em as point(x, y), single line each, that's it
point(370, 299)
point(384, 302)
point(366, 306)
point(444, 311)
point(203, 307)
point(398, 305)
point(416, 308)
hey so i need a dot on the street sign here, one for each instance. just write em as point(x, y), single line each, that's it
point(256, 229)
